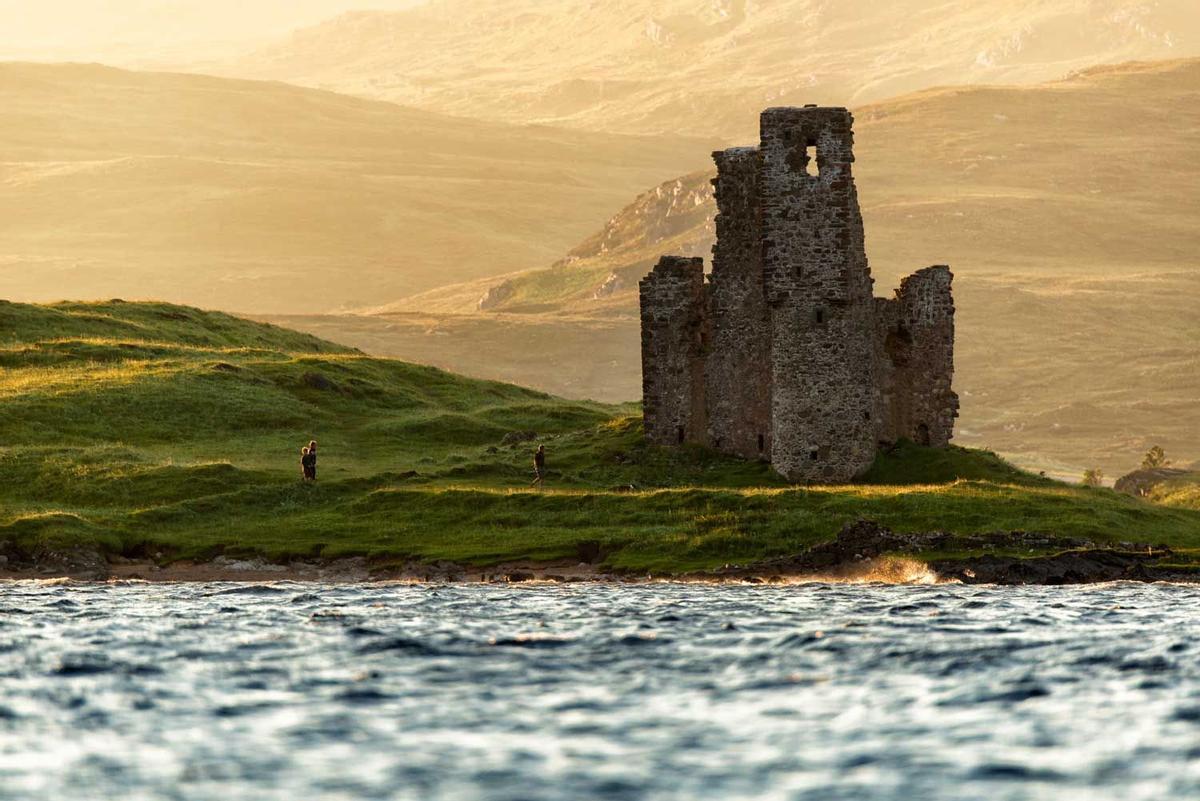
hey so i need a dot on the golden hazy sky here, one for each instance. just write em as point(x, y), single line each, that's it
point(123, 31)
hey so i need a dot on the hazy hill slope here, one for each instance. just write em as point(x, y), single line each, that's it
point(1096, 175)
point(707, 65)
point(127, 31)
point(251, 195)
point(1067, 211)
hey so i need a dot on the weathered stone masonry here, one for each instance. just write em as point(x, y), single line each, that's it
point(673, 339)
point(783, 353)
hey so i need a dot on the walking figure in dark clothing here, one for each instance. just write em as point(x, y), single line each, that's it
point(539, 467)
point(308, 461)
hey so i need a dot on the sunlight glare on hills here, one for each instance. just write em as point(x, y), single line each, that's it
point(130, 32)
point(706, 66)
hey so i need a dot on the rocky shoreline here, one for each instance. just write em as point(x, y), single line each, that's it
point(863, 551)
point(995, 559)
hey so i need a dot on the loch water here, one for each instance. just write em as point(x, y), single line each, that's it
point(573, 692)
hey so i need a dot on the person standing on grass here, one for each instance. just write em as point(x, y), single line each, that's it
point(539, 467)
point(309, 461)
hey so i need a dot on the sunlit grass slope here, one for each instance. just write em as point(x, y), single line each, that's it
point(1183, 492)
point(146, 427)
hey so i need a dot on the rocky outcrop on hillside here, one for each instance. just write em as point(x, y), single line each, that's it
point(495, 296)
point(611, 286)
point(682, 206)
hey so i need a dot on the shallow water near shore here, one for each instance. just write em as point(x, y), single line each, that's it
point(656, 691)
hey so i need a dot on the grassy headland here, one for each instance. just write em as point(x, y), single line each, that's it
point(147, 428)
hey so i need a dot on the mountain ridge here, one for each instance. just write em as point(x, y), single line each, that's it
point(682, 65)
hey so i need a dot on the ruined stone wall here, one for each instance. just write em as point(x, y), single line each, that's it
point(785, 354)
point(738, 368)
point(924, 406)
point(819, 288)
point(892, 353)
point(674, 333)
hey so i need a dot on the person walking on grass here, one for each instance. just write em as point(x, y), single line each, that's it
point(539, 467)
point(308, 461)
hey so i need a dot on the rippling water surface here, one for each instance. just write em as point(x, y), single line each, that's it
point(292, 691)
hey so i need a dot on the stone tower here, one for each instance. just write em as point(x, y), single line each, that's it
point(819, 289)
point(673, 330)
point(785, 354)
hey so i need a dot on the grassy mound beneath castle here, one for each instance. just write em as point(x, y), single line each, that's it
point(1182, 492)
point(150, 428)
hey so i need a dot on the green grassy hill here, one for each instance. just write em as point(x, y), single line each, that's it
point(146, 427)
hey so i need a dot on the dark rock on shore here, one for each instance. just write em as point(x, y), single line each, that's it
point(1077, 561)
point(82, 563)
point(1076, 567)
point(517, 577)
point(438, 572)
point(590, 552)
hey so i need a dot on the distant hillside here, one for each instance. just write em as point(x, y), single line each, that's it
point(1067, 211)
point(266, 197)
point(706, 66)
point(1096, 175)
point(128, 31)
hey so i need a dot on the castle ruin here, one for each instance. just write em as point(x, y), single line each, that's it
point(784, 354)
